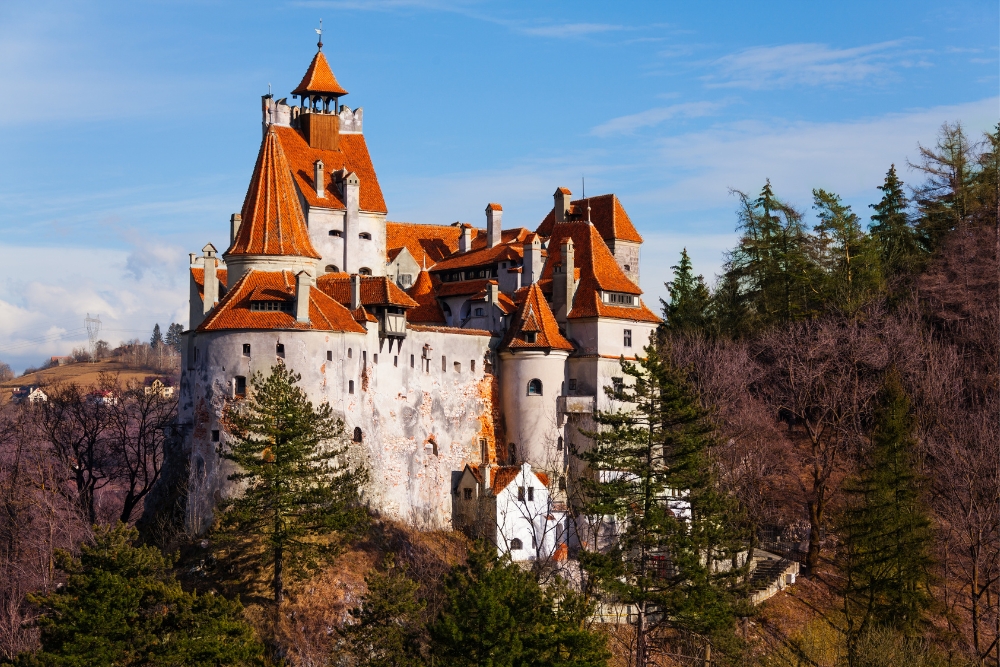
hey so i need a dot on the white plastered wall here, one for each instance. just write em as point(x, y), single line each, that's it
point(532, 422)
point(371, 253)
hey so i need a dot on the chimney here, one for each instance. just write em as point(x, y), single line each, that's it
point(302, 282)
point(355, 292)
point(193, 258)
point(493, 302)
point(318, 179)
point(465, 238)
point(561, 207)
point(494, 212)
point(531, 269)
point(234, 227)
point(352, 224)
point(564, 285)
point(486, 470)
point(211, 280)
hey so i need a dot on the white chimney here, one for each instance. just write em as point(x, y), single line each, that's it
point(465, 238)
point(352, 222)
point(493, 302)
point(234, 227)
point(355, 292)
point(564, 283)
point(318, 179)
point(531, 269)
point(302, 282)
point(211, 280)
point(494, 213)
point(561, 198)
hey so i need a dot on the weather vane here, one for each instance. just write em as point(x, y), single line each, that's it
point(319, 31)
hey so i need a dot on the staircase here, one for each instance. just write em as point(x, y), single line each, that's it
point(770, 573)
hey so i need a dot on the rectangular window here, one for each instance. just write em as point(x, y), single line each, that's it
point(572, 384)
point(406, 279)
point(215, 435)
point(246, 349)
point(364, 356)
point(411, 361)
point(531, 493)
point(618, 384)
point(350, 386)
point(329, 355)
point(520, 493)
point(279, 349)
point(628, 338)
point(479, 312)
point(444, 363)
point(467, 493)
point(375, 358)
point(240, 386)
point(395, 360)
point(472, 366)
point(458, 367)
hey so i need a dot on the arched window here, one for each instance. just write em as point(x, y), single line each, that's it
point(336, 232)
point(365, 235)
point(516, 545)
point(559, 445)
point(330, 268)
point(365, 271)
point(357, 434)
point(535, 387)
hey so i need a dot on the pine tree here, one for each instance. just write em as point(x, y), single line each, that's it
point(122, 606)
point(894, 237)
point(496, 614)
point(946, 200)
point(676, 533)
point(689, 299)
point(386, 630)
point(301, 492)
point(845, 253)
point(885, 528)
point(157, 338)
point(173, 337)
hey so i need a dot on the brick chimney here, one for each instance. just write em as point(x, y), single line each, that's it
point(531, 270)
point(465, 237)
point(234, 227)
point(302, 283)
point(561, 207)
point(211, 279)
point(494, 213)
point(355, 292)
point(318, 179)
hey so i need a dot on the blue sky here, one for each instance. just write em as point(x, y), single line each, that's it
point(129, 130)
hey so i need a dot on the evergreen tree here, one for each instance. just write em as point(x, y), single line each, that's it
point(676, 533)
point(885, 528)
point(386, 630)
point(300, 491)
point(946, 200)
point(122, 606)
point(497, 615)
point(894, 237)
point(845, 253)
point(173, 337)
point(157, 338)
point(689, 299)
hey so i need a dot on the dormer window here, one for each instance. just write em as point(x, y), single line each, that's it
point(620, 299)
point(268, 306)
point(364, 270)
point(530, 336)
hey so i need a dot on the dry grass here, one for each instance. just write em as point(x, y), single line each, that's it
point(83, 374)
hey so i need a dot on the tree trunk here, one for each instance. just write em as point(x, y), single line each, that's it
point(279, 587)
point(640, 637)
point(815, 515)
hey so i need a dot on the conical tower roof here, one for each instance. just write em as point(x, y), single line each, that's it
point(535, 327)
point(272, 223)
point(429, 311)
point(319, 79)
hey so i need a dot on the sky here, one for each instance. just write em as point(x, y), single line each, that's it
point(130, 129)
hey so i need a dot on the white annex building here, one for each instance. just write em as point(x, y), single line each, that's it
point(465, 360)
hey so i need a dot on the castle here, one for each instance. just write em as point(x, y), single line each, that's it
point(466, 361)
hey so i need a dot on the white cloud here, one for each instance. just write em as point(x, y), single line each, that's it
point(801, 64)
point(652, 117)
point(570, 30)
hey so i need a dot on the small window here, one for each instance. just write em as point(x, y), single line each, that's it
point(618, 384)
point(329, 355)
point(559, 444)
point(531, 493)
point(535, 387)
point(479, 312)
point(520, 493)
point(515, 545)
point(364, 356)
point(330, 268)
point(350, 386)
point(572, 384)
point(240, 386)
point(411, 361)
point(336, 232)
point(628, 338)
point(562, 483)
point(365, 235)
point(358, 435)
point(279, 349)
point(467, 493)
point(375, 358)
point(627, 268)
point(246, 349)
point(472, 366)
point(215, 435)
point(364, 271)
point(350, 353)
point(458, 367)
point(405, 279)
point(395, 360)
point(444, 363)
point(530, 337)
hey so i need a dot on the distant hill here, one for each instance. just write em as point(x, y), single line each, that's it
point(83, 373)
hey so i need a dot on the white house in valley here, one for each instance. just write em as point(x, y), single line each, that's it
point(459, 357)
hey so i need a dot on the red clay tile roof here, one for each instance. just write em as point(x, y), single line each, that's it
point(273, 223)
point(505, 303)
point(502, 476)
point(455, 330)
point(233, 312)
point(375, 290)
point(319, 78)
point(433, 242)
point(461, 287)
point(542, 477)
point(428, 310)
point(494, 206)
point(510, 248)
point(534, 315)
point(598, 271)
point(564, 191)
point(606, 213)
point(199, 279)
point(351, 154)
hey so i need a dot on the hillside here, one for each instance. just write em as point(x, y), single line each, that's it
point(81, 373)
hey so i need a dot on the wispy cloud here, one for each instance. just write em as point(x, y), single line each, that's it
point(570, 30)
point(801, 64)
point(652, 117)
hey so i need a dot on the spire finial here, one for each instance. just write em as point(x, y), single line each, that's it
point(319, 31)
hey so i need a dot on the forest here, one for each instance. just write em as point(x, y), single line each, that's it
point(832, 397)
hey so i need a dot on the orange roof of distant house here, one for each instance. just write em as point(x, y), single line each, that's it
point(428, 310)
point(233, 311)
point(319, 78)
point(430, 242)
point(510, 248)
point(502, 476)
point(606, 213)
point(535, 316)
point(199, 279)
point(375, 290)
point(273, 223)
point(351, 154)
